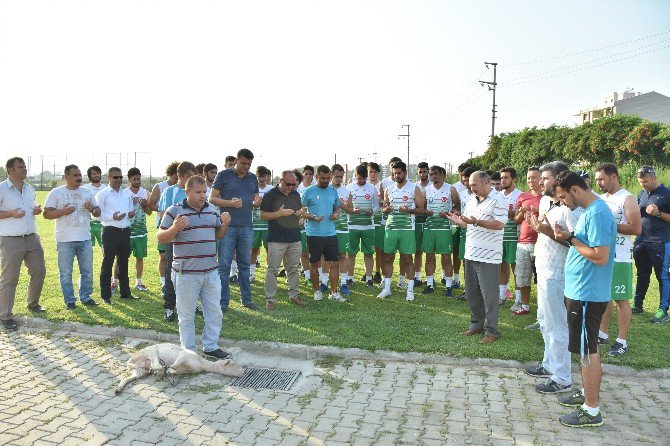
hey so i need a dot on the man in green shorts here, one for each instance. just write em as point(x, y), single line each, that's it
point(342, 226)
point(460, 186)
point(260, 226)
point(510, 232)
point(440, 199)
point(379, 221)
point(402, 200)
point(306, 179)
point(138, 224)
point(629, 223)
point(419, 222)
point(365, 202)
point(94, 175)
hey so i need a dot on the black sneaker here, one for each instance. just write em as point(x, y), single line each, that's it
point(377, 278)
point(368, 283)
point(252, 306)
point(9, 325)
point(550, 387)
point(574, 400)
point(617, 349)
point(637, 310)
point(71, 306)
point(107, 301)
point(456, 284)
point(603, 340)
point(443, 281)
point(581, 418)
point(37, 309)
point(538, 371)
point(90, 303)
point(282, 273)
point(418, 283)
point(170, 315)
point(218, 354)
point(363, 278)
point(448, 292)
point(350, 282)
point(428, 290)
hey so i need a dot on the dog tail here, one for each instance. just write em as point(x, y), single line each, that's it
point(135, 375)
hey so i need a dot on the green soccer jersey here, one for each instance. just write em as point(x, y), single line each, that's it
point(364, 198)
point(438, 201)
point(342, 222)
point(399, 197)
point(258, 223)
point(138, 224)
point(421, 219)
point(510, 231)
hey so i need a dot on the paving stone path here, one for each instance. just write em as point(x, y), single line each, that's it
point(57, 388)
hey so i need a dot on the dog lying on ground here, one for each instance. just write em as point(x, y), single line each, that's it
point(156, 358)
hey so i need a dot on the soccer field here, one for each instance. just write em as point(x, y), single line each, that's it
point(429, 324)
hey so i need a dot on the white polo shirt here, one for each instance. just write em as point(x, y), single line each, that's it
point(485, 245)
point(11, 198)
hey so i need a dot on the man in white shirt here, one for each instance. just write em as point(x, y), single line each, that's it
point(510, 232)
point(116, 210)
point(485, 216)
point(94, 175)
point(19, 241)
point(72, 206)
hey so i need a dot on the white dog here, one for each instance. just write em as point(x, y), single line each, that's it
point(178, 360)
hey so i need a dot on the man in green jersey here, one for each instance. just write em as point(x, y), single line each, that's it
point(138, 223)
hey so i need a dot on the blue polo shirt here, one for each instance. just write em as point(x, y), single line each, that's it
point(171, 196)
point(584, 280)
point(654, 229)
point(322, 203)
point(230, 185)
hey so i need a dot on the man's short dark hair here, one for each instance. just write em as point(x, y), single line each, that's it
point(646, 172)
point(308, 168)
point(337, 168)
point(185, 167)
point(374, 166)
point(362, 171)
point(495, 176)
point(171, 168)
point(245, 153)
point(322, 169)
point(533, 169)
point(440, 169)
point(510, 170)
point(133, 171)
point(200, 168)
point(422, 165)
point(298, 175)
point(365, 163)
point(394, 160)
point(91, 170)
point(566, 179)
point(262, 171)
point(113, 169)
point(399, 165)
point(468, 171)
point(11, 161)
point(555, 167)
point(208, 167)
point(230, 159)
point(69, 167)
point(608, 168)
point(463, 166)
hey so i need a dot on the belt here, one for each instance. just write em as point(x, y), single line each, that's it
point(22, 236)
point(114, 228)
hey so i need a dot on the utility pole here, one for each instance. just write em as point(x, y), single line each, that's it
point(471, 154)
point(42, 173)
point(406, 136)
point(360, 160)
point(492, 87)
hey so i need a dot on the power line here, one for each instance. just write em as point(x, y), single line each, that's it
point(586, 51)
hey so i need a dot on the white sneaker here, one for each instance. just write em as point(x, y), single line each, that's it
point(515, 307)
point(410, 296)
point(384, 294)
point(402, 285)
point(336, 297)
point(318, 295)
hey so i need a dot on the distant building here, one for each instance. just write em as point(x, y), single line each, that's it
point(651, 106)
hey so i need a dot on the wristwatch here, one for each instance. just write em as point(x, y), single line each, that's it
point(569, 240)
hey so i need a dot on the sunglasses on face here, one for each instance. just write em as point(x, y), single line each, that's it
point(118, 177)
point(290, 184)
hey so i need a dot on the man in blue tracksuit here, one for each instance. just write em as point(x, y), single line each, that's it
point(652, 247)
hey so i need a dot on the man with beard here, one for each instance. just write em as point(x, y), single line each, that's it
point(94, 175)
point(342, 226)
point(420, 221)
point(138, 224)
point(365, 203)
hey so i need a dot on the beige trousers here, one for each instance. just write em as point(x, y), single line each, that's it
point(13, 252)
point(290, 253)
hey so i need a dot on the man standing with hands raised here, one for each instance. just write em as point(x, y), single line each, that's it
point(19, 241)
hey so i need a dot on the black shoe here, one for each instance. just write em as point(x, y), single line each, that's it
point(252, 306)
point(418, 283)
point(71, 306)
point(551, 387)
point(130, 297)
point(574, 400)
point(448, 292)
point(637, 310)
point(581, 418)
point(107, 301)
point(363, 278)
point(198, 310)
point(369, 283)
point(282, 273)
point(170, 315)
point(603, 340)
point(444, 281)
point(617, 349)
point(218, 354)
point(428, 290)
point(90, 303)
point(10, 325)
point(37, 309)
point(538, 371)
point(350, 282)
point(377, 278)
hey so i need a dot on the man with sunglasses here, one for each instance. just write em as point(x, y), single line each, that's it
point(282, 210)
point(116, 210)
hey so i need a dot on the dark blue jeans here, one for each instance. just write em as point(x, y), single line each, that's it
point(650, 256)
point(237, 240)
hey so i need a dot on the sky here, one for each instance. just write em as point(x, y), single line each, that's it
point(147, 82)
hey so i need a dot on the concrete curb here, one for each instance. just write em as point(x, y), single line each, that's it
point(312, 352)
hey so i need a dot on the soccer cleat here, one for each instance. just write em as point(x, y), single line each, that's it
point(282, 273)
point(402, 285)
point(521, 311)
point(617, 349)
point(581, 418)
point(456, 284)
point(350, 282)
point(90, 303)
point(603, 340)
point(574, 400)
point(323, 288)
point(410, 296)
point(550, 387)
point(448, 292)
point(384, 294)
point(141, 287)
point(344, 289)
point(637, 310)
point(369, 284)
point(443, 281)
point(538, 371)
point(337, 297)
point(660, 317)
point(363, 278)
point(318, 295)
point(515, 307)
point(377, 278)
point(418, 283)
point(428, 290)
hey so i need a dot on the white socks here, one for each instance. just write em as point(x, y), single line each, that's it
point(449, 283)
point(306, 274)
point(517, 296)
point(417, 275)
point(622, 342)
point(387, 284)
point(162, 280)
point(410, 286)
point(430, 281)
point(138, 281)
point(503, 290)
point(457, 277)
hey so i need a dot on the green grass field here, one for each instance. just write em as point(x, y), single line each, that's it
point(429, 324)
